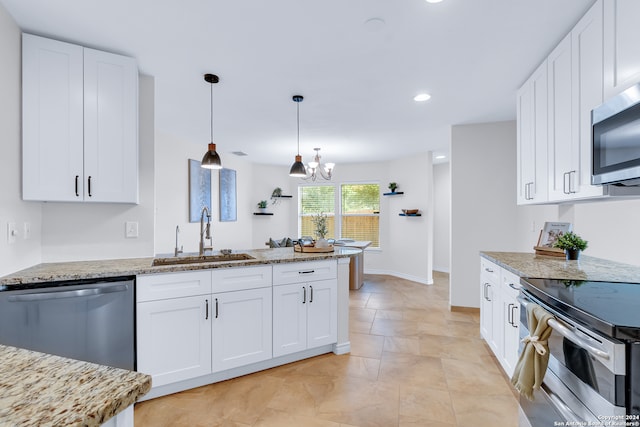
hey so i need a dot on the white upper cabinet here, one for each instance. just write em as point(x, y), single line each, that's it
point(561, 152)
point(532, 138)
point(621, 45)
point(587, 61)
point(80, 123)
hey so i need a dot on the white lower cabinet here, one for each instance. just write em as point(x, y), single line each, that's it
point(196, 327)
point(241, 328)
point(173, 326)
point(500, 313)
point(304, 316)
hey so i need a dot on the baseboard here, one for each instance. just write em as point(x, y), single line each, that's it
point(424, 281)
point(342, 348)
point(460, 309)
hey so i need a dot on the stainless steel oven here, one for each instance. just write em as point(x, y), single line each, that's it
point(592, 372)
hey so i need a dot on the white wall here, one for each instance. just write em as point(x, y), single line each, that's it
point(441, 217)
point(483, 208)
point(23, 253)
point(172, 197)
point(85, 231)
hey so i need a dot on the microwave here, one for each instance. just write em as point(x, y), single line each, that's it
point(615, 140)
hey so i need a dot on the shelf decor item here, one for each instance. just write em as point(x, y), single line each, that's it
point(262, 206)
point(548, 236)
point(393, 186)
point(572, 244)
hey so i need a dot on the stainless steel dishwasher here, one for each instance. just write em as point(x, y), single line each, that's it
point(90, 320)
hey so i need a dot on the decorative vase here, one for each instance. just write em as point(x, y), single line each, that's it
point(572, 254)
point(262, 210)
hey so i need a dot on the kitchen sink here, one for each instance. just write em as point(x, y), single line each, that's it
point(196, 259)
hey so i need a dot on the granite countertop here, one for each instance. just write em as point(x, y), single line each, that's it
point(78, 270)
point(38, 389)
point(545, 267)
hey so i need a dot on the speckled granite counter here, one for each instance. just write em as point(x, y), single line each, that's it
point(39, 389)
point(543, 267)
point(54, 272)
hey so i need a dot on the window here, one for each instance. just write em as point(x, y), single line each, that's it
point(360, 208)
point(313, 201)
point(356, 217)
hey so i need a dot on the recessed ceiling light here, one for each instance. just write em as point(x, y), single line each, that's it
point(434, 1)
point(440, 157)
point(421, 97)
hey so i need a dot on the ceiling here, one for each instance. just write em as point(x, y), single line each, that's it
point(358, 64)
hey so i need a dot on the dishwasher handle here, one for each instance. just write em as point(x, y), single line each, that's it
point(76, 293)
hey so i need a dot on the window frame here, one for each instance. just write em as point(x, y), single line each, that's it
point(338, 214)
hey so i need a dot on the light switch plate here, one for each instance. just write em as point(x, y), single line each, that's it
point(131, 229)
point(26, 232)
point(12, 232)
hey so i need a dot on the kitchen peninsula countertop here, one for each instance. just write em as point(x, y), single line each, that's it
point(544, 267)
point(79, 270)
point(38, 389)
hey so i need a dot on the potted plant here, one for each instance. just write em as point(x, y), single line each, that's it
point(262, 206)
point(321, 230)
point(572, 245)
point(393, 186)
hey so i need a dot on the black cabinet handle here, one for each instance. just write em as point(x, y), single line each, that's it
point(207, 310)
point(311, 299)
point(216, 308)
point(89, 188)
point(304, 293)
point(77, 194)
point(306, 272)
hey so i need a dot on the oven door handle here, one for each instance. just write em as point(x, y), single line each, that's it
point(562, 407)
point(565, 331)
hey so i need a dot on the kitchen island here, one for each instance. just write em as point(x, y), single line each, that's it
point(200, 321)
point(38, 389)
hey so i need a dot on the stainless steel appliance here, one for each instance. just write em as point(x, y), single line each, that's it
point(85, 320)
point(594, 366)
point(616, 139)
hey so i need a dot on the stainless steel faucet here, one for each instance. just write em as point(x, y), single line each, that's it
point(203, 248)
point(177, 251)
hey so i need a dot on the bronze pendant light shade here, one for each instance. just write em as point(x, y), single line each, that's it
point(211, 159)
point(297, 169)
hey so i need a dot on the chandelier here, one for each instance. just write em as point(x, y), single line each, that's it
point(317, 169)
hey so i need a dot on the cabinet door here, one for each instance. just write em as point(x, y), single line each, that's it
point(561, 143)
point(241, 328)
point(52, 111)
point(174, 338)
point(110, 127)
point(322, 313)
point(289, 319)
point(511, 316)
point(587, 79)
point(621, 45)
point(532, 138)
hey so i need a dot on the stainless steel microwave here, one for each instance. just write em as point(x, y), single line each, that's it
point(616, 139)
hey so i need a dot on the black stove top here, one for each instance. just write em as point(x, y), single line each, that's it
point(609, 307)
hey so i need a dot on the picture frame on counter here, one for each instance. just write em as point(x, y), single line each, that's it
point(548, 236)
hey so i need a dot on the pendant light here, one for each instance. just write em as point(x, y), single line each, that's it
point(211, 159)
point(297, 169)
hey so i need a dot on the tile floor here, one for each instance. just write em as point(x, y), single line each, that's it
point(412, 363)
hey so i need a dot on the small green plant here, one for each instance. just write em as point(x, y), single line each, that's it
point(262, 204)
point(393, 186)
point(320, 223)
point(570, 241)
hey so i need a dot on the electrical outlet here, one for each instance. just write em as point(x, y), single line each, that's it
point(12, 232)
point(131, 229)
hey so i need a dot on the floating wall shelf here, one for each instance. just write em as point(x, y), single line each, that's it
point(283, 196)
point(410, 214)
point(394, 193)
point(263, 213)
